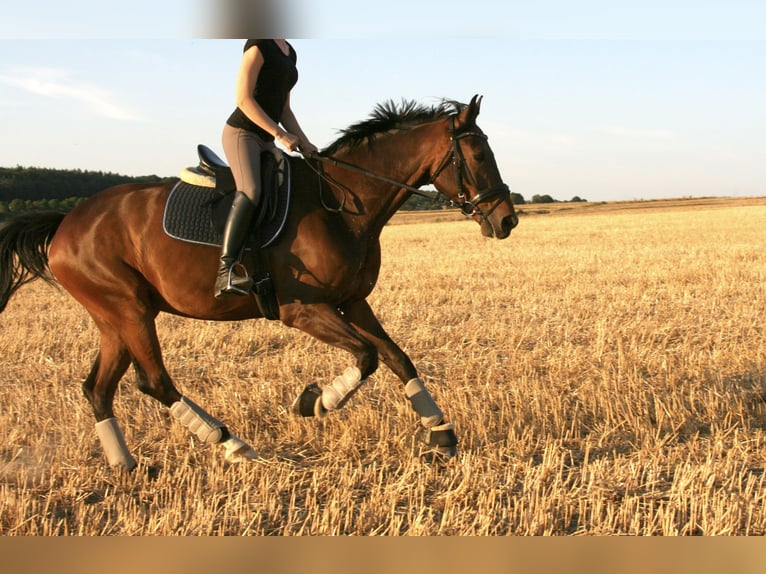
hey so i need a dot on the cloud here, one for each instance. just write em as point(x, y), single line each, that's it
point(57, 84)
point(638, 133)
point(501, 131)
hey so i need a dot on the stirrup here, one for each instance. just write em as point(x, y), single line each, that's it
point(235, 284)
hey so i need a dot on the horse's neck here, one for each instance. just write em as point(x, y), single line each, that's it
point(372, 202)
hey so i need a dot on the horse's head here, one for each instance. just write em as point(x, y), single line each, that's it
point(467, 173)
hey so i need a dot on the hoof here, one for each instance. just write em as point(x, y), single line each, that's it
point(238, 450)
point(437, 444)
point(446, 452)
point(439, 455)
point(309, 403)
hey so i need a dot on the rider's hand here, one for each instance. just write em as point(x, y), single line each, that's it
point(308, 149)
point(289, 141)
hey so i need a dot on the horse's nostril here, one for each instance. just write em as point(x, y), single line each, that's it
point(509, 222)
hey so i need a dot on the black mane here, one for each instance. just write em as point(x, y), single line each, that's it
point(389, 116)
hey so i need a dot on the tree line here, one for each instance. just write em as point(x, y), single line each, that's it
point(421, 203)
point(35, 183)
point(36, 189)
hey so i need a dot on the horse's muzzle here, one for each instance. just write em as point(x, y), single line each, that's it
point(507, 224)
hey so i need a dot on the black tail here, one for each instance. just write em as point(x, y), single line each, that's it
point(24, 242)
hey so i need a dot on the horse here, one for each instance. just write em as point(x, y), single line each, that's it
point(112, 255)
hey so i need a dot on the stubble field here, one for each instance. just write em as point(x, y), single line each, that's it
point(605, 368)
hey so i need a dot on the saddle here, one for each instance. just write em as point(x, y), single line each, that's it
point(198, 205)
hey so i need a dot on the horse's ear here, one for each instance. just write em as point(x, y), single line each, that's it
point(476, 104)
point(468, 115)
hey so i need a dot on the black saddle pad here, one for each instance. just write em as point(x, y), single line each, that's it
point(197, 214)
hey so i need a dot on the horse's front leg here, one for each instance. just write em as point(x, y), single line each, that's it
point(325, 323)
point(441, 434)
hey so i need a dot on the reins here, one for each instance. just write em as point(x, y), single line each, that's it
point(434, 195)
point(467, 205)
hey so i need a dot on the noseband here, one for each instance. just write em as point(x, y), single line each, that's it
point(469, 206)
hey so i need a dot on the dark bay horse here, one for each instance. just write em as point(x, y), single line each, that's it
point(112, 255)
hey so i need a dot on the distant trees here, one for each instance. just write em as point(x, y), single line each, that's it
point(16, 205)
point(542, 199)
point(32, 183)
point(420, 203)
point(38, 189)
point(32, 188)
point(21, 205)
point(548, 199)
point(417, 202)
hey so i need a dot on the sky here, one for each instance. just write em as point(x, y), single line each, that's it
point(601, 100)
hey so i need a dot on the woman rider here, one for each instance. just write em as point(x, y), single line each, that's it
point(263, 115)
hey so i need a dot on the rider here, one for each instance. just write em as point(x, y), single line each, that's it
point(266, 76)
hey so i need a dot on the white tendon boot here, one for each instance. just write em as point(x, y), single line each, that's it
point(337, 394)
point(113, 443)
point(441, 435)
point(207, 428)
point(210, 430)
point(316, 402)
point(423, 403)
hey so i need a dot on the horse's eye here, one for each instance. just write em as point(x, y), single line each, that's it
point(479, 156)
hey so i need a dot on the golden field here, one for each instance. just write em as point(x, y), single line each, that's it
point(605, 368)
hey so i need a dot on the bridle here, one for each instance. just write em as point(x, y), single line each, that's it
point(467, 205)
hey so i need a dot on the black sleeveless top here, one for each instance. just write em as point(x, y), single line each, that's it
point(275, 80)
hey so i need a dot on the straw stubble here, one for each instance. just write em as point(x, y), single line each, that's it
point(605, 370)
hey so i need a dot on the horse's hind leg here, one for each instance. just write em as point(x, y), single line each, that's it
point(154, 380)
point(99, 388)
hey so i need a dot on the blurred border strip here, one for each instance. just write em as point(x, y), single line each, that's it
point(329, 555)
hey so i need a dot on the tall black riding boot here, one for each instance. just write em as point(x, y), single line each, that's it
point(234, 235)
